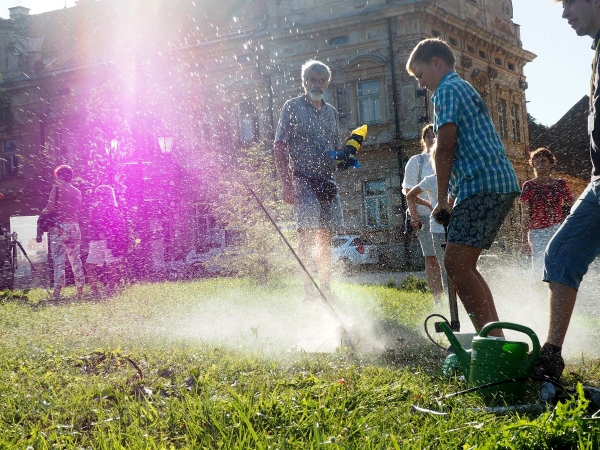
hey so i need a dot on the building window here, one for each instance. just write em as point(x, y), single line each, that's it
point(10, 158)
point(376, 204)
point(515, 122)
point(453, 41)
point(471, 49)
point(511, 66)
point(482, 54)
point(502, 124)
point(369, 102)
point(207, 234)
point(248, 116)
point(436, 34)
point(244, 59)
point(342, 101)
point(61, 147)
point(340, 40)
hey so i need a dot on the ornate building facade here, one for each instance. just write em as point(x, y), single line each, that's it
point(215, 77)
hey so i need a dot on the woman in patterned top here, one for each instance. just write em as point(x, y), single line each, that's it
point(545, 202)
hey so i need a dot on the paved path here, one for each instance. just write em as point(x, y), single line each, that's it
point(375, 277)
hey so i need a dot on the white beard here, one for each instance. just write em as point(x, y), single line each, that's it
point(315, 96)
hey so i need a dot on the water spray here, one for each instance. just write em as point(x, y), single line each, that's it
point(345, 338)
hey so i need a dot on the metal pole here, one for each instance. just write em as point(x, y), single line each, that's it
point(323, 296)
point(444, 218)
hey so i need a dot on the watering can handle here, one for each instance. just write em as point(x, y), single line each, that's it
point(535, 351)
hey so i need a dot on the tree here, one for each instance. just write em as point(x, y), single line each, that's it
point(107, 136)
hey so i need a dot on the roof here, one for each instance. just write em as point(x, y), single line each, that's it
point(568, 139)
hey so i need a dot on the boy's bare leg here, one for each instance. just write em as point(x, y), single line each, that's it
point(434, 277)
point(461, 264)
point(306, 243)
point(323, 255)
point(562, 302)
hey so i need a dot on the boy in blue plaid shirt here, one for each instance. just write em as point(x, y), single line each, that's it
point(471, 165)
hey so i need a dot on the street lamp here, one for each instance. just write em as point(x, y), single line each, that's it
point(111, 149)
point(166, 144)
point(111, 154)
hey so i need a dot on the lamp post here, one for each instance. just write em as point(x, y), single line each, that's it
point(165, 144)
point(111, 154)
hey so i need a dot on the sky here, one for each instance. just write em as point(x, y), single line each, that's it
point(558, 78)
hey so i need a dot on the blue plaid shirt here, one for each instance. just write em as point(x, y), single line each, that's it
point(480, 161)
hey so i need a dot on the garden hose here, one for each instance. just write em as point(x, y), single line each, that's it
point(427, 330)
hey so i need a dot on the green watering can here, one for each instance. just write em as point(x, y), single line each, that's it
point(495, 359)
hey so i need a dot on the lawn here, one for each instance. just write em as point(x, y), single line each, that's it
point(224, 363)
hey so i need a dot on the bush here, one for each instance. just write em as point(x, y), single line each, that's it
point(414, 284)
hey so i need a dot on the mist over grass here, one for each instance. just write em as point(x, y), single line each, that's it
point(521, 298)
point(227, 363)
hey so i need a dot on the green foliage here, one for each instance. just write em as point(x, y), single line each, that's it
point(104, 123)
point(414, 284)
point(8, 295)
point(533, 121)
point(261, 254)
point(566, 426)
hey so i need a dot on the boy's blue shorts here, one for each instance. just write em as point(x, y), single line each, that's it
point(577, 242)
point(310, 213)
point(476, 220)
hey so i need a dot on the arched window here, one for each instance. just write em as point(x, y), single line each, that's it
point(10, 158)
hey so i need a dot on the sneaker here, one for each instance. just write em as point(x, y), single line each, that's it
point(548, 365)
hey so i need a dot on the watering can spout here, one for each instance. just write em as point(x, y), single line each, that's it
point(463, 356)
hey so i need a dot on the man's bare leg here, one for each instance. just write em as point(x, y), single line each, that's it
point(323, 255)
point(550, 363)
point(306, 244)
point(562, 302)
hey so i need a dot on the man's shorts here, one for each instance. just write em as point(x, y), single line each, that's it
point(577, 242)
point(476, 220)
point(100, 254)
point(310, 213)
point(425, 238)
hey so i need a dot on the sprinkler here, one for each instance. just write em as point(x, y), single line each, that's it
point(347, 335)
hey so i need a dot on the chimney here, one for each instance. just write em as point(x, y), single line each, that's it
point(17, 12)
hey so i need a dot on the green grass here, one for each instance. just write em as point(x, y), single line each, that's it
point(224, 363)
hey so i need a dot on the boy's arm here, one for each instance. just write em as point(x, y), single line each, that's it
point(444, 159)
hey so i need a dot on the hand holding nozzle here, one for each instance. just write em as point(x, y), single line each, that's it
point(442, 217)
